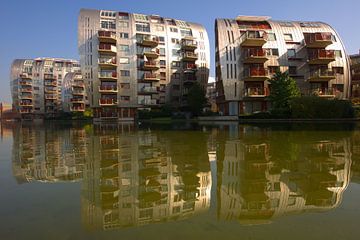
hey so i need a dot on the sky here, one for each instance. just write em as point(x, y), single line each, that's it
point(48, 28)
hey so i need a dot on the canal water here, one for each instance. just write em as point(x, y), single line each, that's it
point(179, 181)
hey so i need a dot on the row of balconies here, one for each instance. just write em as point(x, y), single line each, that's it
point(256, 92)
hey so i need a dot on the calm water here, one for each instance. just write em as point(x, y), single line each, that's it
point(186, 181)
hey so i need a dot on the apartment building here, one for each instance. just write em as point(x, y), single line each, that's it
point(73, 93)
point(36, 85)
point(135, 61)
point(355, 75)
point(249, 50)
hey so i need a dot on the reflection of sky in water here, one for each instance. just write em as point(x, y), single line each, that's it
point(120, 177)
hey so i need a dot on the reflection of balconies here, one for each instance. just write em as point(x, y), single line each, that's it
point(254, 55)
point(321, 56)
point(151, 65)
point(321, 75)
point(256, 74)
point(108, 75)
point(152, 53)
point(188, 44)
point(107, 102)
point(255, 92)
point(318, 40)
point(107, 36)
point(108, 89)
point(149, 41)
point(107, 63)
point(107, 48)
point(253, 39)
point(151, 77)
point(189, 56)
point(148, 90)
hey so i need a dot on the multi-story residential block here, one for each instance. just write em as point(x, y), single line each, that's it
point(249, 50)
point(73, 93)
point(36, 85)
point(355, 75)
point(136, 61)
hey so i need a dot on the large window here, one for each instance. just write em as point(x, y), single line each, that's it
point(123, 24)
point(124, 35)
point(143, 27)
point(124, 60)
point(288, 37)
point(108, 24)
point(124, 48)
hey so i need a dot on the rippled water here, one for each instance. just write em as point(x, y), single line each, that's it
point(184, 181)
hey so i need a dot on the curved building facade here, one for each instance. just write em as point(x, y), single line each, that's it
point(249, 50)
point(36, 85)
point(136, 61)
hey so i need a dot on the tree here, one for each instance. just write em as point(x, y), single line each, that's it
point(283, 90)
point(196, 99)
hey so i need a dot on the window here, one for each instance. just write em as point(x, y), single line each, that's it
point(125, 73)
point(288, 37)
point(286, 24)
point(140, 17)
point(338, 53)
point(292, 70)
point(162, 63)
point(123, 24)
point(175, 52)
point(124, 98)
point(159, 28)
point(124, 60)
point(175, 30)
point(309, 24)
point(175, 41)
point(108, 24)
point(125, 85)
point(124, 48)
point(338, 70)
point(271, 37)
point(123, 16)
point(162, 51)
point(161, 39)
point(185, 32)
point(176, 64)
point(124, 35)
point(291, 53)
point(143, 27)
point(272, 52)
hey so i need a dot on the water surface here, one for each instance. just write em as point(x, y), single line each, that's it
point(184, 181)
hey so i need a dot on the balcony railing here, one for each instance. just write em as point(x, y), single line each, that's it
point(107, 62)
point(108, 75)
point(151, 53)
point(26, 103)
point(321, 74)
point(254, 55)
point(50, 76)
point(26, 82)
point(151, 77)
point(253, 38)
point(321, 56)
point(256, 92)
point(78, 92)
point(50, 96)
point(107, 102)
point(107, 36)
point(188, 44)
point(318, 40)
point(152, 65)
point(26, 96)
point(77, 100)
point(107, 48)
point(108, 88)
point(148, 90)
point(258, 73)
point(189, 56)
point(78, 84)
point(77, 109)
point(25, 76)
point(26, 89)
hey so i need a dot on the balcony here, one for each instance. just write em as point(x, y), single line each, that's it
point(151, 77)
point(323, 92)
point(107, 48)
point(108, 76)
point(151, 65)
point(108, 89)
point(254, 55)
point(107, 37)
point(50, 96)
point(189, 56)
point(148, 90)
point(77, 100)
point(107, 102)
point(107, 63)
point(25, 76)
point(256, 92)
point(148, 102)
point(25, 82)
point(78, 92)
point(50, 77)
point(26, 110)
point(50, 89)
point(321, 75)
point(318, 40)
point(149, 41)
point(152, 53)
point(189, 45)
point(26, 89)
point(50, 83)
point(189, 67)
point(256, 74)
point(253, 39)
point(26, 104)
point(77, 109)
point(78, 84)
point(26, 96)
point(321, 56)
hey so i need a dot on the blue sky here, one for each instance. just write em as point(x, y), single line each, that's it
point(35, 28)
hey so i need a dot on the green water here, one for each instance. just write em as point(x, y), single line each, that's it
point(179, 181)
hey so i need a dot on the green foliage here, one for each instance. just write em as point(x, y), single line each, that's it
point(88, 113)
point(320, 108)
point(283, 90)
point(165, 111)
point(196, 99)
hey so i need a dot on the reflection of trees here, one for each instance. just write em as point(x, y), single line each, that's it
point(270, 173)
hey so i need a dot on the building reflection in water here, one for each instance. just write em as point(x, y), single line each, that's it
point(266, 174)
point(136, 177)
